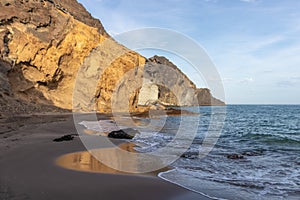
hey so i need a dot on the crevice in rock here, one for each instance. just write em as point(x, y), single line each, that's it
point(43, 83)
point(5, 22)
point(56, 79)
point(30, 10)
point(63, 58)
point(7, 38)
point(25, 21)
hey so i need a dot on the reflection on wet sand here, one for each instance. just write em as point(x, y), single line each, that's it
point(85, 161)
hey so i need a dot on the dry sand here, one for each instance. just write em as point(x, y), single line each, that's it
point(28, 169)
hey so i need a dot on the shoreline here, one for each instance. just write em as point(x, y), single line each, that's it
point(28, 169)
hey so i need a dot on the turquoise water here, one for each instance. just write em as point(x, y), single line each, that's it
point(268, 139)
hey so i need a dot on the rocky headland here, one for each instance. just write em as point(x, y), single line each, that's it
point(45, 43)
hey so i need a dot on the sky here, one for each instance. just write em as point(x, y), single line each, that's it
point(254, 44)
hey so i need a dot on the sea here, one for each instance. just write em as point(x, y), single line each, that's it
point(254, 154)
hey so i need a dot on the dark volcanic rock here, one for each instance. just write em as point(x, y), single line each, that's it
point(64, 138)
point(128, 133)
point(235, 156)
point(190, 155)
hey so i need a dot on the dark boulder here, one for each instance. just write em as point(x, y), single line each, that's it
point(127, 133)
point(190, 155)
point(64, 138)
point(235, 156)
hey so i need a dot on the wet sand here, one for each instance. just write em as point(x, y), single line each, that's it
point(86, 162)
point(28, 169)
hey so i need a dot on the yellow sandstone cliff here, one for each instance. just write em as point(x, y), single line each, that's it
point(45, 43)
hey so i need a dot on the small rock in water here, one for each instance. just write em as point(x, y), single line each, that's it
point(64, 138)
point(127, 133)
point(190, 155)
point(235, 156)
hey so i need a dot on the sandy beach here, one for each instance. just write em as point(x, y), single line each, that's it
point(28, 169)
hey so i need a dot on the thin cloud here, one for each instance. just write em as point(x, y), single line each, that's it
point(285, 83)
point(247, 80)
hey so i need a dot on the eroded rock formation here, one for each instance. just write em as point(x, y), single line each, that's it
point(45, 43)
point(174, 87)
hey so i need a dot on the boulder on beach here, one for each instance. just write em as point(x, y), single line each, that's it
point(127, 133)
point(64, 138)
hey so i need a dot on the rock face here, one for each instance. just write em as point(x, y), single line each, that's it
point(204, 98)
point(174, 87)
point(148, 93)
point(45, 43)
point(106, 78)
